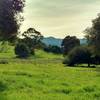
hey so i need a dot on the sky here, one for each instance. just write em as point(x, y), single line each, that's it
point(59, 18)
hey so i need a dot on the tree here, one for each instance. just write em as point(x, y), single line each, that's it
point(22, 50)
point(78, 55)
point(10, 18)
point(69, 43)
point(53, 49)
point(32, 38)
point(93, 35)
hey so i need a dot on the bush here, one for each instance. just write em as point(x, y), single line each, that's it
point(95, 59)
point(53, 49)
point(56, 49)
point(46, 49)
point(78, 55)
point(22, 50)
point(3, 62)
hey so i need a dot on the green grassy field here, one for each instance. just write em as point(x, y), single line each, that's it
point(44, 77)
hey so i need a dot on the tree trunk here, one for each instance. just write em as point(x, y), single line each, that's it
point(88, 64)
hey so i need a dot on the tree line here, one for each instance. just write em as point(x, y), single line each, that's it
point(89, 54)
point(74, 53)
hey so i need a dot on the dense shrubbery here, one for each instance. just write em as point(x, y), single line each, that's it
point(95, 59)
point(78, 55)
point(22, 50)
point(53, 49)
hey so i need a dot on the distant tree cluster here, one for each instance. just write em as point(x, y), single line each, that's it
point(53, 49)
point(88, 55)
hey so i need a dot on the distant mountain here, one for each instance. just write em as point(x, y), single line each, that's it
point(52, 41)
point(57, 42)
point(83, 41)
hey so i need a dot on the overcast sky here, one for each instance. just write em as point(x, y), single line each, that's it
point(59, 18)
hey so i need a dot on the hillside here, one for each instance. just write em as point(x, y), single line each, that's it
point(52, 41)
point(44, 77)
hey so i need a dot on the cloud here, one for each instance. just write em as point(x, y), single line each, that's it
point(59, 17)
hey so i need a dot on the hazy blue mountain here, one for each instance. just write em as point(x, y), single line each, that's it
point(83, 41)
point(52, 41)
point(56, 41)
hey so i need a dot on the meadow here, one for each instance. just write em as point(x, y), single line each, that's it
point(44, 77)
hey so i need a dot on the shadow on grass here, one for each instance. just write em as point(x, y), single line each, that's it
point(89, 89)
point(93, 66)
point(3, 87)
point(81, 66)
point(64, 91)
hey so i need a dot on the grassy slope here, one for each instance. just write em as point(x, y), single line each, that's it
point(43, 77)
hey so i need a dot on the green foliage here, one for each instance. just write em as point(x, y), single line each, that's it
point(93, 35)
point(10, 18)
point(22, 50)
point(4, 47)
point(32, 37)
point(3, 87)
point(89, 89)
point(3, 62)
point(44, 77)
point(68, 43)
point(78, 55)
point(53, 49)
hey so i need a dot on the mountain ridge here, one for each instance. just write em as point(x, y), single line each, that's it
point(58, 41)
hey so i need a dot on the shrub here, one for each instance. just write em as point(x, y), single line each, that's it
point(22, 50)
point(3, 86)
point(3, 62)
point(46, 49)
point(53, 49)
point(78, 55)
point(56, 49)
point(95, 59)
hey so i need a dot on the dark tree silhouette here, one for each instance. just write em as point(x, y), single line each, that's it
point(32, 38)
point(93, 35)
point(69, 43)
point(33, 34)
point(22, 50)
point(78, 55)
point(10, 18)
point(53, 49)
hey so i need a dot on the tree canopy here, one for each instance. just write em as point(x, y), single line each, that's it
point(93, 35)
point(10, 18)
point(68, 43)
point(32, 38)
